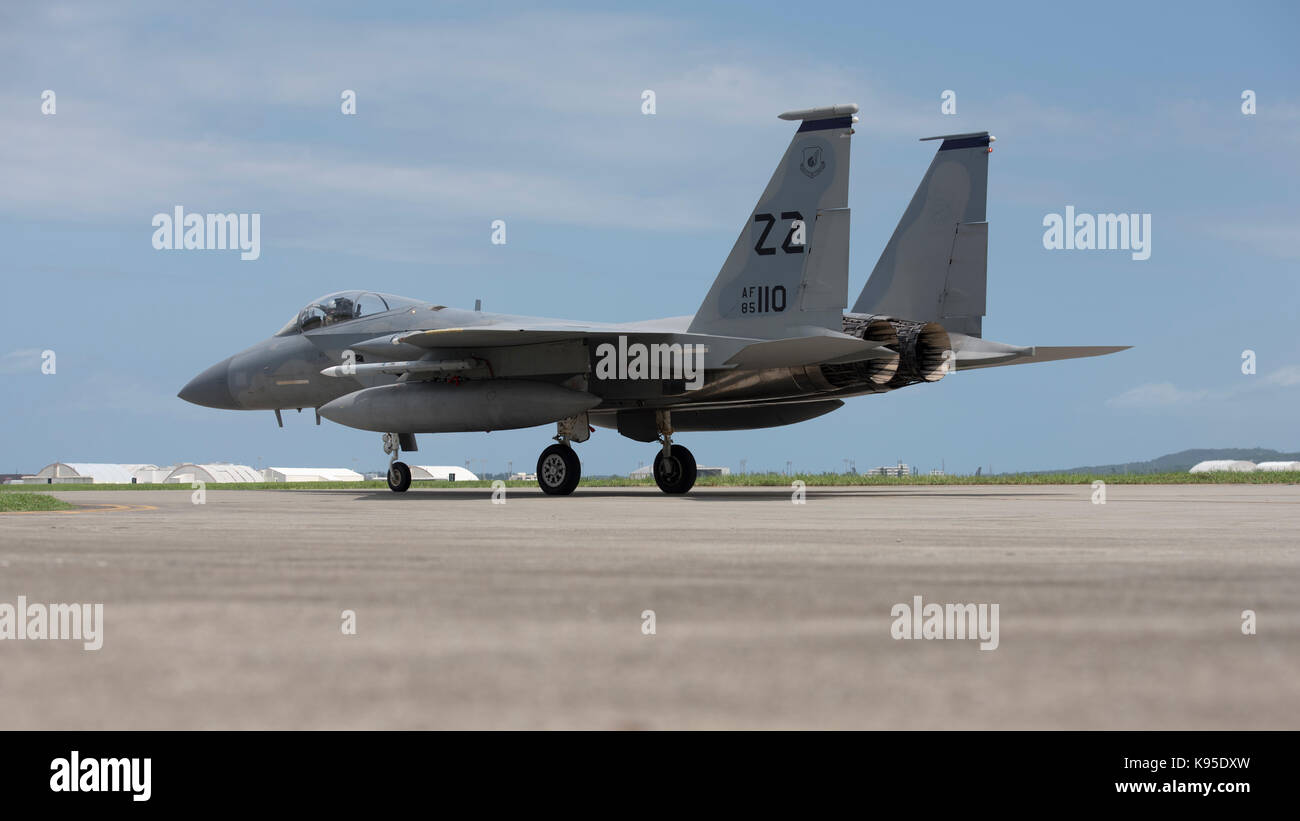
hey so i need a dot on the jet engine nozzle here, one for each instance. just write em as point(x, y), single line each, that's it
point(878, 371)
point(925, 351)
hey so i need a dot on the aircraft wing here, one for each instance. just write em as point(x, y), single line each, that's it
point(498, 335)
point(805, 346)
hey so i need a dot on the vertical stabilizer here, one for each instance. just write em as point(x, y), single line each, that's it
point(935, 266)
point(789, 267)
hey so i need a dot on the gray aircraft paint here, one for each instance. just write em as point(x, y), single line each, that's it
point(438, 407)
point(762, 369)
point(812, 180)
point(933, 268)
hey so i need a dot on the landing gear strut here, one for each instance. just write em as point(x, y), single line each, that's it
point(399, 473)
point(558, 468)
point(674, 466)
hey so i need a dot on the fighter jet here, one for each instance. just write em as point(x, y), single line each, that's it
point(770, 345)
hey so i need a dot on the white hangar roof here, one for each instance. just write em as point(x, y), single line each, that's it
point(1212, 465)
point(215, 473)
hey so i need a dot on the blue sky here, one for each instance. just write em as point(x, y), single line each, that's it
point(472, 112)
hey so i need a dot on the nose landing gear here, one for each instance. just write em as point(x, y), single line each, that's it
point(399, 477)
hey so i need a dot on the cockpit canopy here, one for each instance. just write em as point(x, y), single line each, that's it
point(343, 306)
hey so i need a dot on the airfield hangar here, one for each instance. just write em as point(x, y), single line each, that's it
point(214, 473)
point(97, 473)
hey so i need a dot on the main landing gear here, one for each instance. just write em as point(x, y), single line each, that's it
point(558, 468)
point(674, 469)
point(399, 473)
point(674, 466)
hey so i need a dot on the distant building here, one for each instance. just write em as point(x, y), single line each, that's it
point(441, 473)
point(311, 475)
point(885, 470)
point(151, 474)
point(936, 472)
point(523, 477)
point(1278, 466)
point(215, 473)
point(1214, 465)
point(96, 473)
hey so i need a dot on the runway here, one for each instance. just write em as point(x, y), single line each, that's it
point(767, 614)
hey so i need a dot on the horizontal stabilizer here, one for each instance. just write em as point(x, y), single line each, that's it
point(998, 354)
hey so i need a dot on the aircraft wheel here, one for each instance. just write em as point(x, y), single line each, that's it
point(558, 470)
point(675, 473)
point(399, 477)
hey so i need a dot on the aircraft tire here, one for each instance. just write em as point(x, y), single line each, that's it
point(558, 470)
point(675, 473)
point(399, 477)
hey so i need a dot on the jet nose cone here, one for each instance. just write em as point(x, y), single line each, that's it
point(211, 388)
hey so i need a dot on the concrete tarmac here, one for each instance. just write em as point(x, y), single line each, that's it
point(767, 614)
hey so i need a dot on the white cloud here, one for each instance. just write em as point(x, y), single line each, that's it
point(1167, 394)
point(1276, 240)
point(542, 122)
point(1155, 395)
point(23, 360)
point(534, 117)
point(1288, 376)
